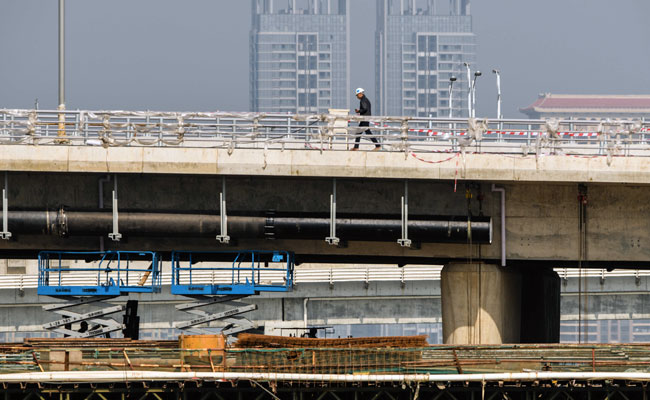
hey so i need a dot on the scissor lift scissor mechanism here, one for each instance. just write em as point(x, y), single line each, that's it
point(223, 283)
point(103, 276)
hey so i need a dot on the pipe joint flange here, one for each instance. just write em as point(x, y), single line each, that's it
point(62, 223)
point(269, 226)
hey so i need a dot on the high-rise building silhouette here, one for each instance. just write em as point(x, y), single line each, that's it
point(420, 44)
point(300, 55)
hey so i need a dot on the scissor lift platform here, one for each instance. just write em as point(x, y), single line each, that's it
point(102, 276)
point(209, 282)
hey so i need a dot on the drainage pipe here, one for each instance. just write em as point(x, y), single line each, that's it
point(87, 223)
point(503, 222)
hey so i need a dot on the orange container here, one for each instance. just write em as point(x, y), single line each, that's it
point(202, 342)
point(203, 352)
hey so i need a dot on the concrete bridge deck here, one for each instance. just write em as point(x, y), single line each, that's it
point(328, 164)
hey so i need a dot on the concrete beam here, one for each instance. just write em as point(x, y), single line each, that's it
point(388, 165)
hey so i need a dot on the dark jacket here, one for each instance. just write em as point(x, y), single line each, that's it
point(364, 106)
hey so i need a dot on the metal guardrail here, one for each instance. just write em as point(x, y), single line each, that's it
point(115, 273)
point(324, 132)
point(251, 272)
point(301, 275)
point(316, 275)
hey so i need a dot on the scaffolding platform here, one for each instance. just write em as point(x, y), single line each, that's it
point(250, 272)
point(103, 273)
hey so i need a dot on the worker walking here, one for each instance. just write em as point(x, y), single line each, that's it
point(364, 110)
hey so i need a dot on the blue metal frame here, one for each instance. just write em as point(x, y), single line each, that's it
point(119, 276)
point(245, 270)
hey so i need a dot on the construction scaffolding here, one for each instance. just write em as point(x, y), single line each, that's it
point(70, 354)
point(73, 369)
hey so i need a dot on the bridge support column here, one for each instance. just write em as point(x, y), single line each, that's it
point(481, 304)
point(488, 304)
point(540, 306)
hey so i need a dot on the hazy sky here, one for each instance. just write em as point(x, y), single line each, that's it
point(194, 54)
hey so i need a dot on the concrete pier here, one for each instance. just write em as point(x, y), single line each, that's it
point(481, 304)
point(488, 304)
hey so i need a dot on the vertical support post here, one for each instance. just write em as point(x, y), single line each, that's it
point(405, 241)
point(5, 234)
point(332, 239)
point(469, 91)
point(223, 237)
point(451, 99)
point(61, 131)
point(61, 53)
point(115, 235)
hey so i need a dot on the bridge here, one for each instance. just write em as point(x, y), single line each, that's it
point(499, 202)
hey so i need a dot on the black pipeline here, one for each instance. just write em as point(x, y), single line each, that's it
point(454, 229)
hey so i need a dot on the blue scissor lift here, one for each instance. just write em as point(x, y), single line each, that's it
point(238, 274)
point(105, 275)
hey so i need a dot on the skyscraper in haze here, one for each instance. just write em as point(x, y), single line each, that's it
point(420, 44)
point(300, 55)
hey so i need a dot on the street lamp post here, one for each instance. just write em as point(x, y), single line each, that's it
point(473, 93)
point(61, 130)
point(498, 74)
point(61, 53)
point(469, 91)
point(451, 87)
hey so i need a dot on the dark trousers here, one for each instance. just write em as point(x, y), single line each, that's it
point(367, 132)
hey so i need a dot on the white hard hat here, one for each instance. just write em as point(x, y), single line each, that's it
point(359, 90)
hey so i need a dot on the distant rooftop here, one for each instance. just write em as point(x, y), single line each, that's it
point(588, 104)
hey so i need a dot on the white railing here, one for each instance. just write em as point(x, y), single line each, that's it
point(324, 132)
point(301, 275)
point(316, 275)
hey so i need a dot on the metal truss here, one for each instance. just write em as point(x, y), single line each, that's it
point(91, 322)
point(235, 323)
point(254, 390)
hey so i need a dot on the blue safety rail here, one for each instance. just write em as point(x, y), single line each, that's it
point(243, 272)
point(100, 273)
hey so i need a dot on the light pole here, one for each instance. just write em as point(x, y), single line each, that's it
point(61, 54)
point(61, 131)
point(451, 87)
point(498, 74)
point(469, 91)
point(476, 75)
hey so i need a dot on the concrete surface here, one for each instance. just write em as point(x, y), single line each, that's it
point(481, 304)
point(541, 219)
point(206, 161)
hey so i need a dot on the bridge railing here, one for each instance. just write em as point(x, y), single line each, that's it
point(324, 132)
point(333, 275)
